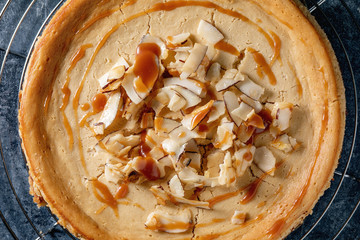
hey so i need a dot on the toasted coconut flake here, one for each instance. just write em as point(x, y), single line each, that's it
point(238, 218)
point(211, 52)
point(192, 85)
point(194, 60)
point(265, 160)
point(110, 110)
point(225, 83)
point(245, 132)
point(224, 136)
point(231, 103)
point(176, 103)
point(213, 72)
point(192, 120)
point(182, 134)
point(285, 143)
point(243, 111)
point(176, 187)
point(178, 39)
point(99, 128)
point(147, 120)
point(165, 124)
point(162, 221)
point(250, 88)
point(129, 86)
point(243, 159)
point(256, 105)
point(113, 171)
point(195, 159)
point(156, 153)
point(227, 174)
point(116, 72)
point(191, 98)
point(218, 110)
point(162, 196)
point(282, 114)
point(210, 33)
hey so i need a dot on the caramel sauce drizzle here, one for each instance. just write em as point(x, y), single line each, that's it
point(103, 194)
point(122, 191)
point(85, 107)
point(146, 66)
point(169, 226)
point(144, 148)
point(263, 66)
point(98, 104)
point(276, 48)
point(275, 230)
point(216, 235)
point(80, 53)
point(227, 47)
point(147, 167)
point(213, 221)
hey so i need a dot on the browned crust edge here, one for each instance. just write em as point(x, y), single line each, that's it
point(48, 52)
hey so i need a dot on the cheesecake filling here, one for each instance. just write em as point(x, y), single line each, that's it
point(176, 110)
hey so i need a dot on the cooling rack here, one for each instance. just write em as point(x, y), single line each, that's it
point(335, 216)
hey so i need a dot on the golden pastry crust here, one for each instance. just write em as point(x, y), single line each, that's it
point(57, 173)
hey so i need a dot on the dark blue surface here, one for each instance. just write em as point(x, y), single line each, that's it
point(341, 15)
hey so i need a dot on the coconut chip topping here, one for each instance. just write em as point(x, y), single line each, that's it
point(175, 108)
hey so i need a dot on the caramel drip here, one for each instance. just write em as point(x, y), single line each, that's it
point(223, 197)
point(98, 104)
point(148, 167)
point(227, 47)
point(85, 107)
point(80, 53)
point(248, 156)
point(122, 191)
point(146, 66)
point(298, 83)
point(276, 47)
point(101, 209)
point(103, 194)
point(252, 189)
point(203, 128)
point(213, 221)
point(276, 228)
point(144, 148)
point(263, 66)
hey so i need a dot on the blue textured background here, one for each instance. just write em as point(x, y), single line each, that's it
point(16, 206)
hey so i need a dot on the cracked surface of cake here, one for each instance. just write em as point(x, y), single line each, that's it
point(181, 119)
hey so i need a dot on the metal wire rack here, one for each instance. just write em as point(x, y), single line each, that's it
point(22, 21)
